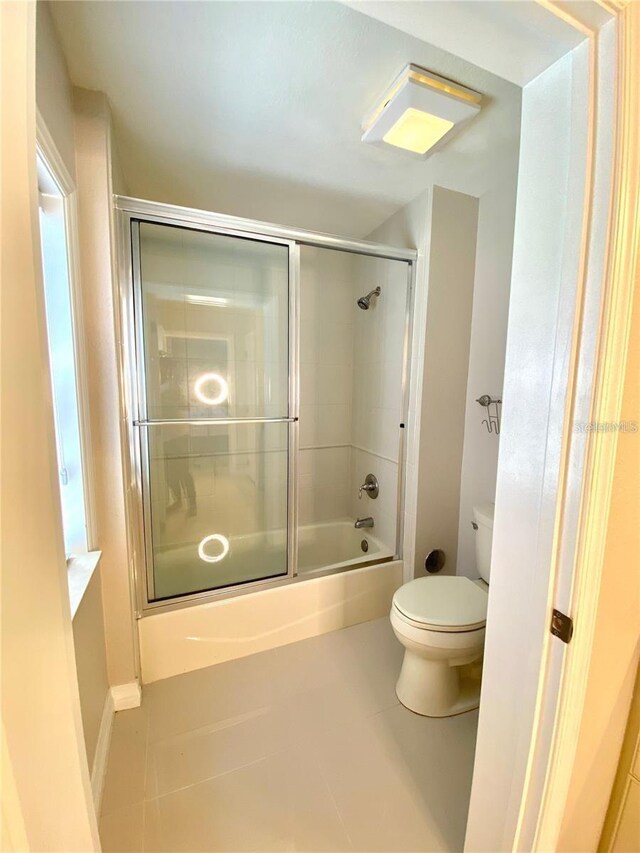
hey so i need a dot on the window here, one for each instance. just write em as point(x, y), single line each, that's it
point(60, 316)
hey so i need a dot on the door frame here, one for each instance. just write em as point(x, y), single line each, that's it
point(517, 802)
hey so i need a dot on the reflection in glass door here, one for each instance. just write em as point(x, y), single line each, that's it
point(212, 342)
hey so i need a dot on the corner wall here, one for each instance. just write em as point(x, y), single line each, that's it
point(492, 284)
point(454, 225)
point(95, 190)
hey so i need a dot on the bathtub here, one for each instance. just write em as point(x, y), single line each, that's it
point(321, 547)
point(336, 544)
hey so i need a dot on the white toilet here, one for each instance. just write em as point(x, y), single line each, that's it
point(440, 621)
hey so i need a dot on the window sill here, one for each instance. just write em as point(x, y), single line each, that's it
point(80, 571)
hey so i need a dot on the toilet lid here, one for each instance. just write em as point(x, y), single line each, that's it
point(444, 602)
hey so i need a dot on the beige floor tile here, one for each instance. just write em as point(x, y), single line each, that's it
point(121, 831)
point(280, 803)
point(304, 747)
point(186, 759)
point(387, 800)
point(434, 758)
point(197, 699)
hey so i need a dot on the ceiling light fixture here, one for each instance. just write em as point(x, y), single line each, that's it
point(215, 301)
point(420, 112)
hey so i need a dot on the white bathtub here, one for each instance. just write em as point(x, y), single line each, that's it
point(335, 544)
point(332, 545)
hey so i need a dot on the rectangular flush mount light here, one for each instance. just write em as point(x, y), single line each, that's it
point(420, 112)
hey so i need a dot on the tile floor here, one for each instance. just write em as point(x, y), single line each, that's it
point(301, 748)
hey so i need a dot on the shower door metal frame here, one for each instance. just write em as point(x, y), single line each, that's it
point(130, 213)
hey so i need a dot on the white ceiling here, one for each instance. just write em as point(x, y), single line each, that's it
point(254, 108)
point(515, 40)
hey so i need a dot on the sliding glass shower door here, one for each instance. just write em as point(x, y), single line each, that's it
point(213, 349)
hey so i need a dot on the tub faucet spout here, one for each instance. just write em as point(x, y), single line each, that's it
point(363, 522)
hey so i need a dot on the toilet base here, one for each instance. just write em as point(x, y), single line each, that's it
point(432, 688)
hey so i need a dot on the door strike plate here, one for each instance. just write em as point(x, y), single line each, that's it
point(561, 626)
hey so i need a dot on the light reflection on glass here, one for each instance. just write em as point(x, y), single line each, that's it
point(203, 380)
point(213, 558)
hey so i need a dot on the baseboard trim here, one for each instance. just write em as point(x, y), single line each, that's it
point(126, 696)
point(101, 756)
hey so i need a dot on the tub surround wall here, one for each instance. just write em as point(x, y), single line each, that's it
point(378, 348)
point(350, 387)
point(326, 384)
point(410, 227)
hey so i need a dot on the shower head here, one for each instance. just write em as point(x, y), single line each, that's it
point(365, 301)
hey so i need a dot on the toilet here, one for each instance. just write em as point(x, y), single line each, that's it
point(441, 623)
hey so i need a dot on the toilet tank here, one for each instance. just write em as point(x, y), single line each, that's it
point(483, 517)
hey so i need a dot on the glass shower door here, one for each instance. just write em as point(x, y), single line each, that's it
point(212, 342)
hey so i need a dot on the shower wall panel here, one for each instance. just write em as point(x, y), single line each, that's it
point(378, 348)
point(327, 312)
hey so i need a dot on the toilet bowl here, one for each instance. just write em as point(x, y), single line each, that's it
point(440, 621)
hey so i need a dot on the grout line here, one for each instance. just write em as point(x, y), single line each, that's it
point(210, 778)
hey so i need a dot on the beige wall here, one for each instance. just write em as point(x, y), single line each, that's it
point(91, 662)
point(45, 752)
point(452, 255)
point(53, 88)
point(618, 627)
point(94, 178)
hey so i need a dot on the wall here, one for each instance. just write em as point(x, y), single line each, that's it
point(44, 757)
point(470, 474)
point(94, 178)
point(54, 97)
point(454, 219)
point(492, 282)
point(91, 663)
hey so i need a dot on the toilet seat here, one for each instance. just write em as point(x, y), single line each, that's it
point(442, 604)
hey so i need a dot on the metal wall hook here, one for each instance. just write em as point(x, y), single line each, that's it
point(492, 421)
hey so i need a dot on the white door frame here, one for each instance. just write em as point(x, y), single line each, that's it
point(551, 517)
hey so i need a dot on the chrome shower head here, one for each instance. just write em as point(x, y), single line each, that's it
point(365, 301)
